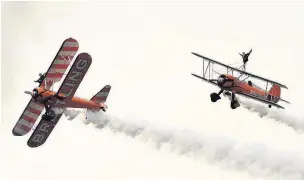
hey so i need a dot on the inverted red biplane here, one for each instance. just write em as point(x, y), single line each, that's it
point(43, 97)
point(234, 82)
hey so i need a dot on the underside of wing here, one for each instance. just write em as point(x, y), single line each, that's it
point(68, 88)
point(259, 99)
point(60, 63)
point(42, 131)
point(28, 118)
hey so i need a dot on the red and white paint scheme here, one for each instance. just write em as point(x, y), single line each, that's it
point(61, 62)
point(54, 74)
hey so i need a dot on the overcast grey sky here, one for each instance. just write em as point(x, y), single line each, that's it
point(143, 49)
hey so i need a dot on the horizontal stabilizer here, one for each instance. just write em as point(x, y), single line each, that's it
point(102, 95)
point(285, 101)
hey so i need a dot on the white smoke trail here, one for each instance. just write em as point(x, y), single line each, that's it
point(72, 113)
point(257, 159)
point(263, 111)
point(69, 112)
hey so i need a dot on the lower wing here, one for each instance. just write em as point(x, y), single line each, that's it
point(259, 99)
point(211, 81)
point(28, 118)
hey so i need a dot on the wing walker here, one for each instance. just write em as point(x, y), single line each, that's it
point(56, 102)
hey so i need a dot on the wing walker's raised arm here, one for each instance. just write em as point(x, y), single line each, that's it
point(242, 72)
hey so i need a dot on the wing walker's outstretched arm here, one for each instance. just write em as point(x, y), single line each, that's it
point(41, 77)
point(245, 57)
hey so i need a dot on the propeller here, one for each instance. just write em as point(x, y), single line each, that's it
point(28, 92)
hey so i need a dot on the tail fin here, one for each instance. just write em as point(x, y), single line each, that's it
point(274, 94)
point(102, 95)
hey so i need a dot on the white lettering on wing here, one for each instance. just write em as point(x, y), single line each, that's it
point(81, 64)
point(74, 76)
point(68, 88)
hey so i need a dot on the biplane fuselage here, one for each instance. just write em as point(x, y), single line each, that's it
point(75, 102)
point(232, 85)
point(237, 86)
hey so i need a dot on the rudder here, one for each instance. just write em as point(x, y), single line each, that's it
point(274, 93)
point(102, 95)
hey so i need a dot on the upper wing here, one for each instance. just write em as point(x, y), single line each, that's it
point(28, 118)
point(240, 71)
point(60, 63)
point(259, 99)
point(68, 87)
point(55, 72)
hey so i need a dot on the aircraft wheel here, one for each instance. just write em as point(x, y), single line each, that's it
point(227, 93)
point(214, 97)
point(49, 115)
point(269, 106)
point(234, 104)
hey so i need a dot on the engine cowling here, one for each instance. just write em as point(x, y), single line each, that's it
point(221, 80)
point(33, 93)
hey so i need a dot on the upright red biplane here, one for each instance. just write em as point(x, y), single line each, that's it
point(234, 82)
point(42, 97)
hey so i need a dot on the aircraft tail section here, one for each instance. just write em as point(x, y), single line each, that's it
point(274, 94)
point(102, 95)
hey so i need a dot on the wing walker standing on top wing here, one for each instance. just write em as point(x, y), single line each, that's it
point(232, 85)
point(43, 97)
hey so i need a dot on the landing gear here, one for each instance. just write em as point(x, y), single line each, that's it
point(234, 103)
point(59, 97)
point(227, 93)
point(49, 115)
point(216, 96)
point(269, 106)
